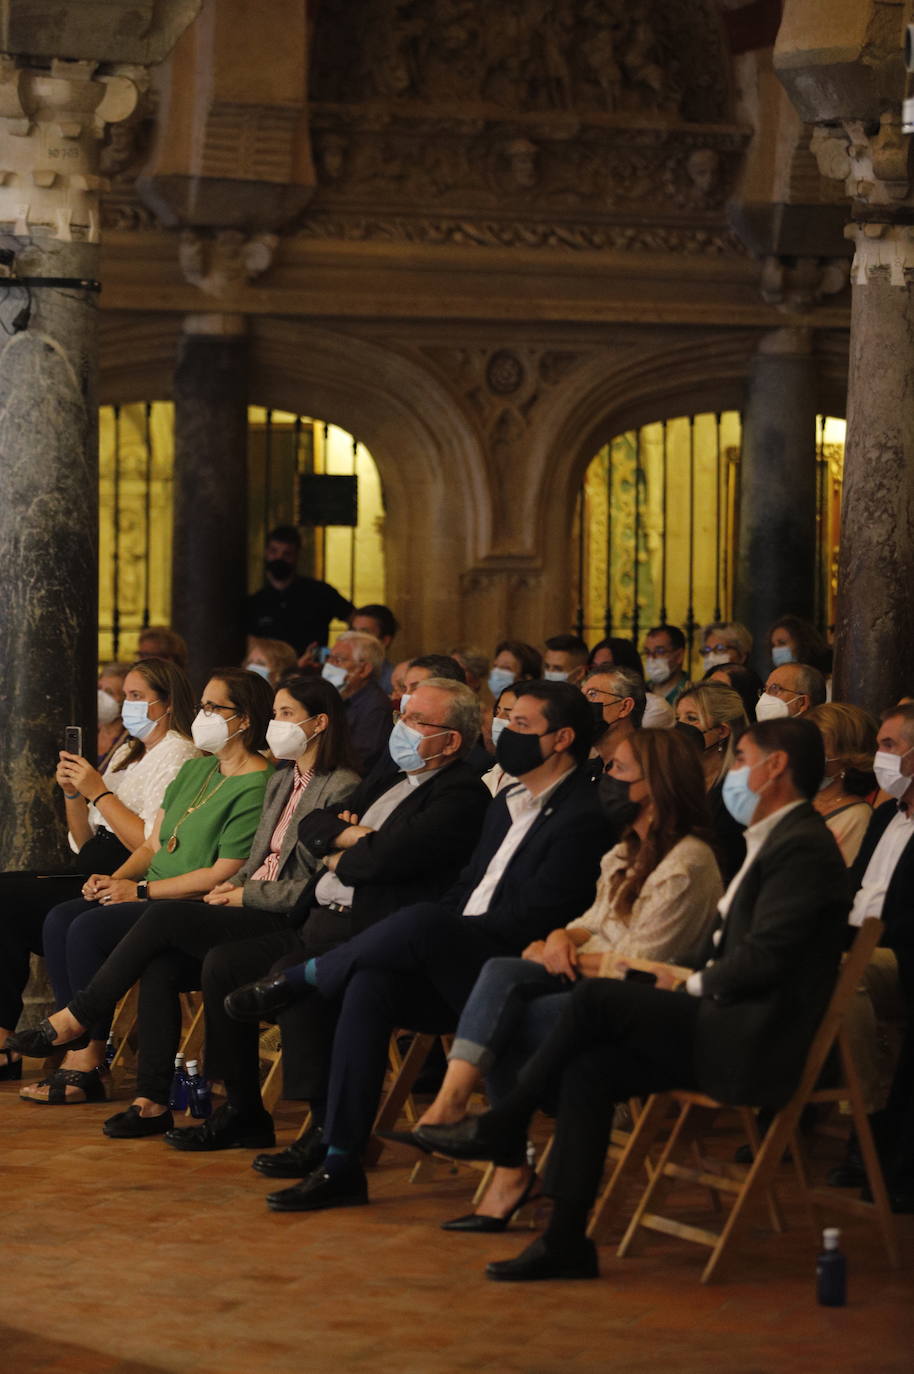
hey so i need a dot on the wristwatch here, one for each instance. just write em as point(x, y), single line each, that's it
point(142, 891)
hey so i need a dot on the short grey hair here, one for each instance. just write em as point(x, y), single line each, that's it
point(626, 683)
point(809, 682)
point(475, 659)
point(730, 631)
point(365, 648)
point(462, 713)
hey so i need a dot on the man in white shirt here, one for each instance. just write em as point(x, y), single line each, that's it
point(763, 982)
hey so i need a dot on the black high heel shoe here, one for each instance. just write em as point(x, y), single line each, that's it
point(41, 1040)
point(474, 1221)
point(11, 1071)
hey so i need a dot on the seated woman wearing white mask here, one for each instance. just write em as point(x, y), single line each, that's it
point(166, 946)
point(200, 836)
point(108, 815)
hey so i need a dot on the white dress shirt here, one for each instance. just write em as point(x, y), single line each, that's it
point(871, 893)
point(524, 808)
point(141, 785)
point(330, 888)
point(755, 836)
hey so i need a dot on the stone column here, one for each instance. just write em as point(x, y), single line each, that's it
point(777, 520)
point(875, 618)
point(210, 491)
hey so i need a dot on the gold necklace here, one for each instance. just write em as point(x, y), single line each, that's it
point(199, 800)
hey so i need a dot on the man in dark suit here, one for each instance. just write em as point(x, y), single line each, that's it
point(391, 843)
point(882, 877)
point(535, 867)
point(763, 981)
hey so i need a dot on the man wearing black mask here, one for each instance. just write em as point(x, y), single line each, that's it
point(295, 609)
point(616, 698)
point(535, 867)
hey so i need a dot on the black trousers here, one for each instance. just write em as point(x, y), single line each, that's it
point(615, 1040)
point(164, 951)
point(25, 900)
point(413, 971)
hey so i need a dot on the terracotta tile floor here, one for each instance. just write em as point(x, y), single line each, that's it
point(126, 1258)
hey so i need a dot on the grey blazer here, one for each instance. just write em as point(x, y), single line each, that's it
point(296, 862)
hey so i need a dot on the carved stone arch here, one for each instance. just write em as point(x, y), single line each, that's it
point(612, 394)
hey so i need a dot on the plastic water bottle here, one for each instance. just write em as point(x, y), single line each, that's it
point(177, 1097)
point(831, 1271)
point(110, 1052)
point(199, 1092)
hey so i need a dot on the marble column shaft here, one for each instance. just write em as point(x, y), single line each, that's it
point(777, 518)
point(48, 543)
point(210, 500)
point(874, 638)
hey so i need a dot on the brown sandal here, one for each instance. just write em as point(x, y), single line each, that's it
point(87, 1080)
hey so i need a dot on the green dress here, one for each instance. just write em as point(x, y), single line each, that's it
point(222, 826)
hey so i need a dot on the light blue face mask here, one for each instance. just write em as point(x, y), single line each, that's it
point(499, 679)
point(781, 654)
point(497, 726)
point(260, 669)
point(739, 798)
point(334, 675)
point(135, 715)
point(404, 747)
point(554, 675)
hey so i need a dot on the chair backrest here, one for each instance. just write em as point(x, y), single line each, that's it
point(849, 976)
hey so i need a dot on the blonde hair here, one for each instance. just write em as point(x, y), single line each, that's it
point(279, 656)
point(851, 731)
point(718, 704)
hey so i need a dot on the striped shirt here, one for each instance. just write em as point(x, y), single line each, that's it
point(269, 869)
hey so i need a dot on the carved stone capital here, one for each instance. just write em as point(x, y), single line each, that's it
point(222, 263)
point(884, 254)
point(796, 285)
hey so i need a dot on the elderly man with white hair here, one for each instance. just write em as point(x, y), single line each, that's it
point(352, 666)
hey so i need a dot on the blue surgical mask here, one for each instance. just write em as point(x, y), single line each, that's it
point(135, 715)
point(260, 669)
point(554, 675)
point(781, 654)
point(497, 726)
point(739, 798)
point(404, 747)
point(334, 675)
point(499, 679)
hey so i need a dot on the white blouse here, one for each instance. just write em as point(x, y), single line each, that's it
point(671, 913)
point(141, 785)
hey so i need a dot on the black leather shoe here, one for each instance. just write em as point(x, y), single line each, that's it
point(537, 1262)
point(301, 1158)
point(480, 1223)
point(226, 1129)
point(405, 1138)
point(131, 1125)
point(39, 1041)
point(322, 1190)
point(260, 1001)
point(476, 1137)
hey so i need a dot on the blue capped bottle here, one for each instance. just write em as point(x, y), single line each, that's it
point(831, 1271)
point(199, 1092)
point(177, 1097)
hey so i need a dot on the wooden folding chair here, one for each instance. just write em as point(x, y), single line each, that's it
point(397, 1101)
point(697, 1113)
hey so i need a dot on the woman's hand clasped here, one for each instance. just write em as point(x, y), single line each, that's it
point(560, 955)
point(106, 890)
point(225, 894)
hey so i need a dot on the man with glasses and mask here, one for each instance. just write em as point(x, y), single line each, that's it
point(616, 698)
point(664, 651)
point(399, 838)
point(791, 690)
point(535, 866)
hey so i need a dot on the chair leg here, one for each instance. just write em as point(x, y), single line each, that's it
point(123, 1025)
point(868, 1151)
point(392, 1105)
point(192, 1044)
point(686, 1128)
point(750, 1126)
point(644, 1132)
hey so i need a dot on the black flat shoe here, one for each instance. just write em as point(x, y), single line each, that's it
point(131, 1125)
point(405, 1138)
point(322, 1190)
point(477, 1137)
point(39, 1041)
point(537, 1262)
point(226, 1129)
point(260, 1001)
point(479, 1223)
point(301, 1158)
point(89, 1081)
point(11, 1071)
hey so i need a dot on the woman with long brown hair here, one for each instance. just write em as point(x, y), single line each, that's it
point(657, 894)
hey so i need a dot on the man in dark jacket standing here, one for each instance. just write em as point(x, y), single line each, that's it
point(535, 867)
point(761, 986)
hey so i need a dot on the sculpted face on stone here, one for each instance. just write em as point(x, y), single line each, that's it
point(703, 166)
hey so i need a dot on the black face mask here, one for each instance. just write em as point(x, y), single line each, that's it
point(600, 726)
point(615, 800)
point(691, 733)
point(518, 754)
point(279, 568)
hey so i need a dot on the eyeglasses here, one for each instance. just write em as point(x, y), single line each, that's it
point(774, 689)
point(715, 649)
point(413, 721)
point(208, 707)
point(657, 653)
point(592, 693)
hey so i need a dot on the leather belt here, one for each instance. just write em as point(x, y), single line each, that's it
point(338, 906)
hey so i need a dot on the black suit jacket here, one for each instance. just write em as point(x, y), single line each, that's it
point(775, 967)
point(898, 907)
point(415, 855)
point(552, 875)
